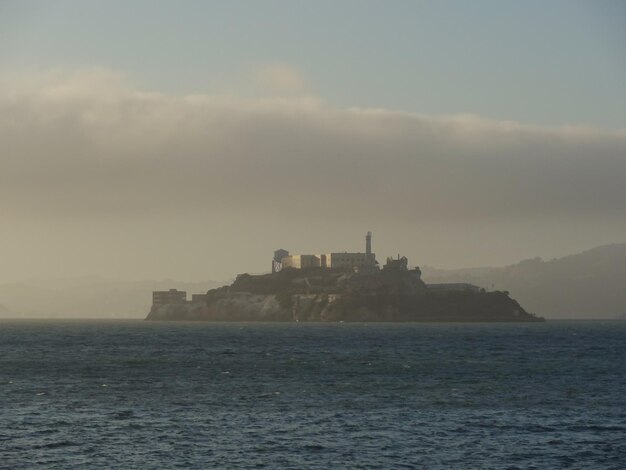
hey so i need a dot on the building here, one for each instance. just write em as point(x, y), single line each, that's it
point(343, 260)
point(347, 260)
point(398, 264)
point(302, 261)
point(172, 296)
point(198, 298)
point(277, 260)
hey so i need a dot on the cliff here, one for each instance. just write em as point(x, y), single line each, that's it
point(319, 294)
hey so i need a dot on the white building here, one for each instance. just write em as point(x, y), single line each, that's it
point(301, 261)
point(343, 260)
point(350, 260)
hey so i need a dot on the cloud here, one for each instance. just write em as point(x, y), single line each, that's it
point(281, 78)
point(87, 144)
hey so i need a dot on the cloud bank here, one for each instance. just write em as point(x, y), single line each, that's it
point(87, 143)
point(99, 177)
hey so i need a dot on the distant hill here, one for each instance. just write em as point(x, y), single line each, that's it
point(87, 298)
point(591, 284)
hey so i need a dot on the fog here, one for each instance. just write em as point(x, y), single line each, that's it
point(100, 177)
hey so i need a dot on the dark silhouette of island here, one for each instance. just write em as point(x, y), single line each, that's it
point(321, 294)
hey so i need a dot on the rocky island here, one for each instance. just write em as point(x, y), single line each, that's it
point(305, 288)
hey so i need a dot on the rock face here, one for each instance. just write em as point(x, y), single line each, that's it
point(319, 294)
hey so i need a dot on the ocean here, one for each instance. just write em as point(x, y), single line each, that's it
point(133, 394)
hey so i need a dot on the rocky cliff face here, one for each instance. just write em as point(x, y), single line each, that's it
point(332, 295)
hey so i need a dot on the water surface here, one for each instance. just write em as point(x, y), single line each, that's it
point(131, 394)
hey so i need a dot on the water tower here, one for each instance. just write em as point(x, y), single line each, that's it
point(277, 261)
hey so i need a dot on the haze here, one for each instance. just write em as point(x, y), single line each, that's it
point(158, 141)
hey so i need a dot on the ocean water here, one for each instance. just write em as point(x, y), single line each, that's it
point(132, 394)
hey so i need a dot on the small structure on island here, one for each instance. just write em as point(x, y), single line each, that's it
point(401, 264)
point(277, 260)
point(172, 296)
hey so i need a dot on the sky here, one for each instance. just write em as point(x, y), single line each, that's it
point(188, 140)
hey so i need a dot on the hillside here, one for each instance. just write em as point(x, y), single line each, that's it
point(590, 284)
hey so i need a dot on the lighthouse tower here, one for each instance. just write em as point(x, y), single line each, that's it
point(370, 258)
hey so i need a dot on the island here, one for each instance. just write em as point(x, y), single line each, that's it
point(339, 287)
